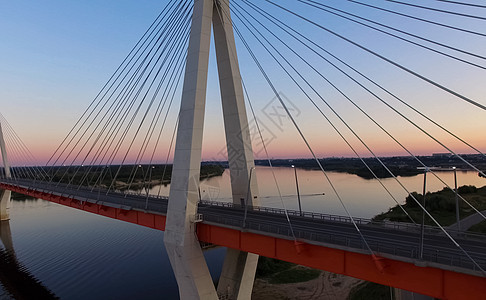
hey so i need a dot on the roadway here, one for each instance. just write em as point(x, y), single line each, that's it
point(393, 239)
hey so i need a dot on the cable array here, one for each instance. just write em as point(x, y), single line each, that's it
point(366, 89)
point(250, 23)
point(130, 126)
point(287, 30)
point(125, 126)
point(22, 162)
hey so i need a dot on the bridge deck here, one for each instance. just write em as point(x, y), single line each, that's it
point(393, 241)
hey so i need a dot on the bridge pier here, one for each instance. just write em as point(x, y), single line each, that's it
point(183, 248)
point(6, 236)
point(238, 274)
point(4, 194)
point(5, 205)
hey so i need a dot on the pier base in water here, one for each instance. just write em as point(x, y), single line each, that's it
point(4, 205)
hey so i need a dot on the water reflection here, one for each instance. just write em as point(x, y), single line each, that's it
point(79, 255)
point(16, 280)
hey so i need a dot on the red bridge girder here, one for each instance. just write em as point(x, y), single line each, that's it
point(435, 282)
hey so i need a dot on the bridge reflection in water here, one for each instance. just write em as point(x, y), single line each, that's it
point(14, 277)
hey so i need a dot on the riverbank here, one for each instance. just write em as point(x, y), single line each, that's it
point(327, 286)
point(440, 204)
point(126, 177)
point(398, 165)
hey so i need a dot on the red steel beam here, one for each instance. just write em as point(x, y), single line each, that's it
point(150, 220)
point(429, 281)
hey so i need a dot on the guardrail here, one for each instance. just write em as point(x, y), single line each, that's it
point(137, 201)
point(429, 254)
point(133, 199)
point(410, 227)
point(118, 198)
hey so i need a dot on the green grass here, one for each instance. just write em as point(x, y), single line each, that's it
point(440, 204)
point(280, 272)
point(269, 266)
point(370, 290)
point(137, 175)
point(294, 275)
point(479, 228)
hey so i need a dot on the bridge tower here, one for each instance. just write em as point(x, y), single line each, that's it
point(4, 194)
point(180, 238)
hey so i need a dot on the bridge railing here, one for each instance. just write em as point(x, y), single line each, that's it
point(114, 198)
point(430, 253)
point(403, 226)
point(130, 199)
point(350, 239)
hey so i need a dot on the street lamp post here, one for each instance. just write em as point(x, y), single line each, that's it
point(458, 219)
point(297, 185)
point(422, 227)
point(247, 198)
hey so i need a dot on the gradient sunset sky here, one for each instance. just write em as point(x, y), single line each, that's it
point(56, 55)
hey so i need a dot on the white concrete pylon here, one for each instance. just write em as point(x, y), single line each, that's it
point(4, 194)
point(238, 274)
point(182, 246)
point(183, 249)
point(3, 150)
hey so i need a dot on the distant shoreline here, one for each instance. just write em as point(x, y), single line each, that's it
point(398, 165)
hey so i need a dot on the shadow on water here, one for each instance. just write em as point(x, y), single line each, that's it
point(21, 197)
point(15, 278)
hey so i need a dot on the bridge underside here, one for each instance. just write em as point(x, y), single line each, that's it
point(430, 281)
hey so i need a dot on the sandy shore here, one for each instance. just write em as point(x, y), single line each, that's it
point(326, 286)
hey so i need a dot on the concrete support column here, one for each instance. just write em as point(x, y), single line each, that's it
point(6, 236)
point(238, 139)
point(4, 195)
point(238, 274)
point(183, 249)
point(4, 205)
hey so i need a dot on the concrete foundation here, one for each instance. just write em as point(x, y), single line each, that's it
point(238, 275)
point(4, 205)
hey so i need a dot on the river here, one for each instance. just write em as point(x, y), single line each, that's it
point(78, 255)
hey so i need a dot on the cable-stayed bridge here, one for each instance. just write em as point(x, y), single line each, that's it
point(322, 241)
point(131, 120)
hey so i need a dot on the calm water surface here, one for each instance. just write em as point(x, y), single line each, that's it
point(77, 255)
point(364, 197)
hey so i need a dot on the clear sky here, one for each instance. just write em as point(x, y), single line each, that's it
point(56, 55)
